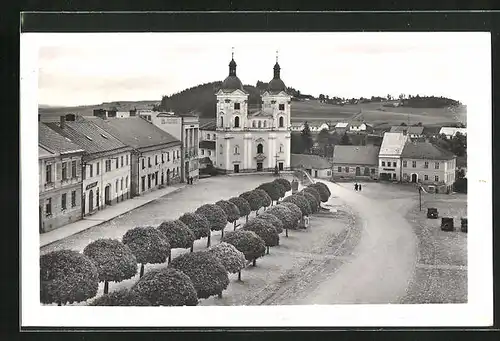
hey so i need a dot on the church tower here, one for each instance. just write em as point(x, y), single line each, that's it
point(232, 102)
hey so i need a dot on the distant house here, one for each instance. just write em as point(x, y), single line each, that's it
point(452, 131)
point(207, 139)
point(411, 131)
point(297, 127)
point(360, 127)
point(319, 127)
point(315, 165)
point(355, 161)
point(341, 127)
point(390, 156)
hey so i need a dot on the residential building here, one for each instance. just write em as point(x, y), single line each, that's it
point(412, 131)
point(429, 165)
point(341, 128)
point(184, 128)
point(105, 162)
point(315, 165)
point(360, 127)
point(351, 162)
point(450, 132)
point(59, 179)
point(297, 127)
point(155, 158)
point(249, 142)
point(207, 138)
point(389, 167)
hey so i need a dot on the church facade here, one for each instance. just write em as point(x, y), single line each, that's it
point(252, 141)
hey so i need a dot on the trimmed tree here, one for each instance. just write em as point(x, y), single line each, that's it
point(271, 218)
point(148, 244)
point(254, 200)
point(301, 202)
point(281, 189)
point(285, 183)
point(167, 287)
point(67, 276)
point(207, 273)
point(123, 297)
point(216, 218)
point(264, 230)
point(197, 223)
point(115, 261)
point(178, 234)
point(284, 215)
point(272, 190)
point(243, 206)
point(314, 192)
point(265, 199)
point(322, 189)
point(296, 212)
point(313, 203)
point(231, 210)
point(232, 259)
point(247, 242)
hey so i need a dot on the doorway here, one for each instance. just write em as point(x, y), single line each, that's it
point(107, 195)
point(149, 181)
point(315, 173)
point(259, 166)
point(91, 201)
point(367, 171)
point(236, 168)
point(168, 177)
point(280, 166)
point(156, 178)
point(414, 178)
point(358, 171)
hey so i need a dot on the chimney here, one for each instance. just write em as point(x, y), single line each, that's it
point(62, 121)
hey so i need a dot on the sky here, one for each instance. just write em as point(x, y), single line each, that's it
point(82, 69)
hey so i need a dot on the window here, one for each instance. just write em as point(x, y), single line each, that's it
point(259, 124)
point(339, 170)
point(281, 148)
point(209, 153)
point(347, 169)
point(121, 161)
point(260, 148)
point(208, 136)
point(414, 164)
point(126, 159)
point(48, 173)
point(220, 147)
point(97, 168)
point(91, 170)
point(162, 158)
point(383, 163)
point(236, 106)
point(436, 166)
point(162, 121)
point(253, 124)
point(156, 160)
point(178, 153)
point(126, 182)
point(281, 122)
point(221, 122)
point(426, 164)
point(236, 122)
point(203, 152)
point(394, 164)
point(73, 169)
point(116, 162)
point(116, 186)
point(236, 150)
point(328, 173)
point(426, 177)
point(281, 107)
point(149, 162)
point(121, 184)
point(265, 124)
point(168, 156)
point(404, 164)
point(436, 178)
point(48, 207)
point(108, 165)
point(73, 198)
point(64, 171)
point(143, 166)
point(373, 170)
point(63, 201)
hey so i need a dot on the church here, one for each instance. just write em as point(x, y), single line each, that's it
point(256, 141)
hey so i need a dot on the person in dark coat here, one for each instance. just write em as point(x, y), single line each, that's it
point(359, 187)
point(356, 186)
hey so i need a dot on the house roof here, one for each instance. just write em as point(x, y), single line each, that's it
point(425, 151)
point(393, 143)
point(89, 136)
point(451, 131)
point(205, 160)
point(207, 144)
point(135, 131)
point(412, 130)
point(359, 155)
point(260, 113)
point(54, 142)
point(341, 125)
point(44, 153)
point(208, 124)
point(309, 161)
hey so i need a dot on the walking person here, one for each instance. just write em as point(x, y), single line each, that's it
point(359, 187)
point(356, 186)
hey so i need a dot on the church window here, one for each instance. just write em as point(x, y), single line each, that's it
point(264, 124)
point(236, 106)
point(220, 147)
point(208, 136)
point(236, 122)
point(227, 101)
point(281, 148)
point(281, 107)
point(236, 150)
point(260, 148)
point(222, 122)
point(281, 123)
point(259, 124)
point(253, 124)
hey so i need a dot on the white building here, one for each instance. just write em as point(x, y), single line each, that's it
point(252, 142)
point(389, 167)
point(452, 131)
point(207, 138)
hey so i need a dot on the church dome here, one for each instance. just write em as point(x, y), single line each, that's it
point(232, 83)
point(276, 84)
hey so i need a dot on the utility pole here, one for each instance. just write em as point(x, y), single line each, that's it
point(420, 197)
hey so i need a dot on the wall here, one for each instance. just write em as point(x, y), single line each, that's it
point(446, 171)
point(395, 171)
point(351, 174)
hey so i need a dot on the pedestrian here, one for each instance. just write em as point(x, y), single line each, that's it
point(359, 187)
point(191, 180)
point(356, 186)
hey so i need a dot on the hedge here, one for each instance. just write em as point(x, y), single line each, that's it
point(207, 273)
point(232, 259)
point(264, 230)
point(271, 218)
point(115, 261)
point(178, 234)
point(123, 297)
point(167, 287)
point(67, 276)
point(247, 242)
point(285, 183)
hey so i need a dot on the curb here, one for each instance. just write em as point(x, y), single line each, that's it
point(119, 215)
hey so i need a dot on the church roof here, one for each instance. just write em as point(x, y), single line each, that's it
point(260, 113)
point(232, 83)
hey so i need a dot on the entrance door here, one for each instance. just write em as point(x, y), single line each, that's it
point(168, 177)
point(236, 168)
point(259, 166)
point(91, 201)
point(367, 171)
point(280, 166)
point(315, 173)
point(107, 195)
point(414, 177)
point(358, 171)
point(156, 178)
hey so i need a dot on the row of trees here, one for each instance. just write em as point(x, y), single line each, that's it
point(68, 276)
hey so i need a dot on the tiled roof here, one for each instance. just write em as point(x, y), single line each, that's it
point(43, 153)
point(425, 151)
point(88, 136)
point(359, 155)
point(341, 125)
point(393, 144)
point(208, 124)
point(54, 142)
point(410, 130)
point(309, 161)
point(260, 113)
point(135, 131)
point(207, 144)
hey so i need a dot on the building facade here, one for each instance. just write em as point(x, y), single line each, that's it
point(389, 167)
point(252, 142)
point(315, 165)
point(353, 162)
point(59, 179)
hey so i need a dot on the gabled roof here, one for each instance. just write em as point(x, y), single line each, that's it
point(451, 131)
point(425, 151)
point(135, 131)
point(207, 144)
point(359, 155)
point(208, 124)
point(309, 161)
point(412, 130)
point(341, 125)
point(393, 144)
point(88, 136)
point(44, 153)
point(54, 142)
